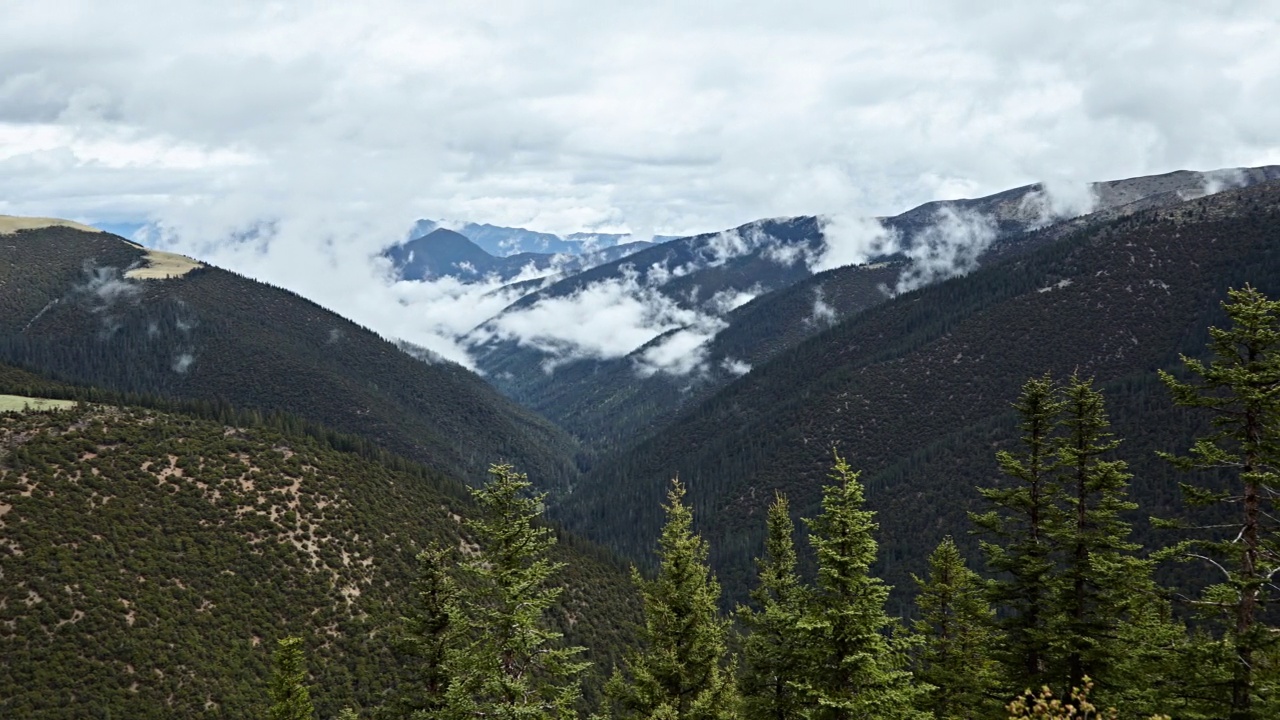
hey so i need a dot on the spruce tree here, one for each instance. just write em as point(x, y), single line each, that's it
point(1018, 550)
point(955, 631)
point(428, 634)
point(290, 697)
point(508, 664)
point(681, 671)
point(854, 665)
point(771, 650)
point(1100, 579)
point(1240, 385)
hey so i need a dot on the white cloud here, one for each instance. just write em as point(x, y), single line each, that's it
point(849, 240)
point(607, 319)
point(947, 248)
point(683, 352)
point(317, 132)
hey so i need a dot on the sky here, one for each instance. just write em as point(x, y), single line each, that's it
point(291, 141)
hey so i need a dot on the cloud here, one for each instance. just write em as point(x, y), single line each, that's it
point(1059, 199)
point(606, 319)
point(823, 314)
point(947, 248)
point(1215, 181)
point(290, 142)
point(849, 240)
point(681, 353)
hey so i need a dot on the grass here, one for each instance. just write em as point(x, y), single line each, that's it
point(161, 265)
point(10, 224)
point(18, 403)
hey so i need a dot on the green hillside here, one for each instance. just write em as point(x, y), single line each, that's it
point(152, 560)
point(916, 391)
point(70, 310)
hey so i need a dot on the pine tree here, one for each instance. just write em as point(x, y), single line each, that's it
point(428, 634)
point(508, 664)
point(1241, 386)
point(955, 630)
point(681, 671)
point(1019, 552)
point(1100, 578)
point(770, 651)
point(854, 665)
point(290, 698)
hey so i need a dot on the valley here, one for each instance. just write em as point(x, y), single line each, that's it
point(195, 464)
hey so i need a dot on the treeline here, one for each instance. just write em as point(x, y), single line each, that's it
point(1069, 624)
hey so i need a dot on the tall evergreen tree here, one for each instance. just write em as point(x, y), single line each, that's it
point(508, 665)
point(681, 671)
point(427, 636)
point(854, 665)
point(771, 650)
point(1241, 386)
point(1019, 551)
point(1101, 578)
point(955, 628)
point(290, 697)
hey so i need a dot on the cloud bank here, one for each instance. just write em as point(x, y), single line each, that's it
point(291, 142)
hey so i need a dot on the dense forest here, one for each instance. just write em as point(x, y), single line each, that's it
point(915, 391)
point(68, 310)
point(151, 558)
point(403, 601)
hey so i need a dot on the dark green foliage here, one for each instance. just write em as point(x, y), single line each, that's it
point(290, 697)
point(680, 670)
point(68, 312)
point(149, 559)
point(955, 630)
point(1025, 515)
point(1240, 386)
point(854, 662)
point(428, 628)
point(506, 662)
point(773, 623)
point(1100, 577)
point(917, 389)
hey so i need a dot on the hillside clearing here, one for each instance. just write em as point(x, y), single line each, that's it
point(19, 402)
point(162, 265)
point(10, 224)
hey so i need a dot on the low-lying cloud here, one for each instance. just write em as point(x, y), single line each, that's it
point(948, 248)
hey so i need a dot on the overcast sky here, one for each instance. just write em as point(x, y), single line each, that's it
point(341, 122)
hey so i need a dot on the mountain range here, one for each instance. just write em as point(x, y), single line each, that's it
point(720, 304)
point(243, 461)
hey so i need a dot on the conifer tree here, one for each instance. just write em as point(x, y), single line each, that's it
point(681, 671)
point(1100, 579)
point(955, 629)
point(1241, 386)
point(508, 664)
point(771, 649)
point(290, 697)
point(855, 667)
point(428, 635)
point(1019, 551)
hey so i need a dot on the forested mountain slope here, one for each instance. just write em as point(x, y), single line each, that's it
point(80, 306)
point(151, 561)
point(609, 403)
point(916, 391)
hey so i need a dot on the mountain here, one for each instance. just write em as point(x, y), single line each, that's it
point(503, 241)
point(734, 300)
point(915, 391)
point(94, 309)
point(152, 560)
point(445, 253)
